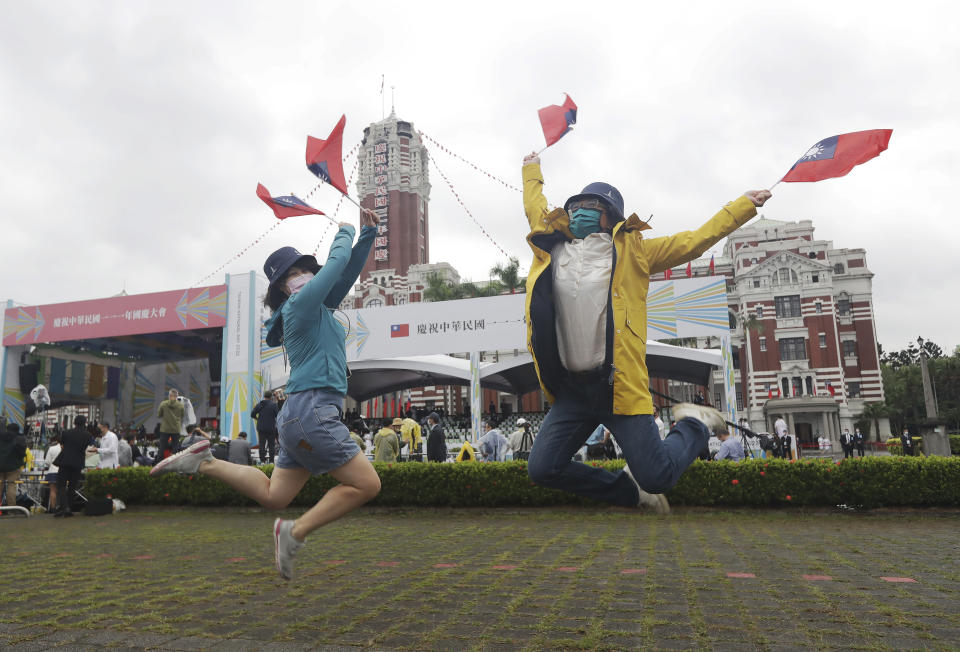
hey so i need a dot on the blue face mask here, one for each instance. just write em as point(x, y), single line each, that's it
point(584, 221)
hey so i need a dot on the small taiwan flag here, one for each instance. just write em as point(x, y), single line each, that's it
point(400, 330)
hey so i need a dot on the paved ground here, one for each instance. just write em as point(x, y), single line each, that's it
point(485, 580)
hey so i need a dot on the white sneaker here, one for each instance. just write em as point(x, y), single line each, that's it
point(657, 503)
point(186, 461)
point(285, 547)
point(707, 415)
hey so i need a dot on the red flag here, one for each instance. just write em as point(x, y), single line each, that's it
point(287, 205)
point(667, 274)
point(837, 155)
point(710, 271)
point(689, 270)
point(557, 120)
point(325, 157)
point(831, 389)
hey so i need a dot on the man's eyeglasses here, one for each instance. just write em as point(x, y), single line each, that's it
point(594, 203)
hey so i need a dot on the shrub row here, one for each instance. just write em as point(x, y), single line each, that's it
point(895, 448)
point(857, 482)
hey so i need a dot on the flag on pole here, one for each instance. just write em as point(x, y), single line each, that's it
point(837, 155)
point(689, 270)
point(710, 271)
point(325, 157)
point(831, 389)
point(557, 120)
point(667, 274)
point(287, 205)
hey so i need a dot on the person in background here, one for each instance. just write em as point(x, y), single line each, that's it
point(657, 420)
point(411, 436)
point(124, 452)
point(846, 443)
point(355, 428)
point(265, 414)
point(170, 413)
point(72, 461)
point(238, 450)
point(906, 442)
point(140, 456)
point(52, 470)
point(521, 440)
point(858, 441)
point(730, 448)
point(109, 448)
point(493, 445)
point(436, 440)
point(13, 452)
point(196, 435)
point(386, 444)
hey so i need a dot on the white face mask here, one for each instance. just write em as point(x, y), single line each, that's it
point(296, 283)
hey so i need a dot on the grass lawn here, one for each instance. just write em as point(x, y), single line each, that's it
point(508, 579)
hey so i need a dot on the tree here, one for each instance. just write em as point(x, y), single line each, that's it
point(908, 356)
point(872, 413)
point(508, 276)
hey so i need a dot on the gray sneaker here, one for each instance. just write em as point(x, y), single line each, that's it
point(707, 415)
point(186, 461)
point(285, 547)
point(657, 503)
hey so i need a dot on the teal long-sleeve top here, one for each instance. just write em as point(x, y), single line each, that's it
point(316, 342)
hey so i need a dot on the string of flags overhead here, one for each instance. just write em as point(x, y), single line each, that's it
point(831, 157)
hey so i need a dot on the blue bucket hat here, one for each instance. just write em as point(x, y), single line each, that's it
point(603, 191)
point(283, 259)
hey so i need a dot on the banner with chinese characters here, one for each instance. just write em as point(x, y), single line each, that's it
point(157, 312)
point(681, 308)
point(381, 200)
point(462, 326)
point(242, 354)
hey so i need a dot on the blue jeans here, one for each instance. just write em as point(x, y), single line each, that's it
point(656, 464)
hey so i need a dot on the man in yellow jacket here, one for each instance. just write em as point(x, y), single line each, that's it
point(586, 310)
point(411, 435)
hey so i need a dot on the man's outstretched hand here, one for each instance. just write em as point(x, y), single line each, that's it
point(758, 197)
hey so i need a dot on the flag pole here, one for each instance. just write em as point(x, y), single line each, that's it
point(774, 185)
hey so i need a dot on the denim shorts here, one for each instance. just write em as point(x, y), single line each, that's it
point(311, 434)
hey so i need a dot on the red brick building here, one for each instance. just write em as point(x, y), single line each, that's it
point(802, 326)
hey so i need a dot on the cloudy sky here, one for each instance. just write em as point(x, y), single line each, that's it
point(134, 133)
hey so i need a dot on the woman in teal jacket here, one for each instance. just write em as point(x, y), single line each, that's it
point(302, 297)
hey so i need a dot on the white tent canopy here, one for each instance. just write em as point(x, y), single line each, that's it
point(515, 374)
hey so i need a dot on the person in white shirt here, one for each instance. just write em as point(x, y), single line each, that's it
point(659, 422)
point(109, 448)
point(52, 470)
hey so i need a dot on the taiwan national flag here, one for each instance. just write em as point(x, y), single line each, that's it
point(325, 157)
point(667, 274)
point(557, 120)
point(710, 270)
point(689, 270)
point(287, 205)
point(830, 389)
point(400, 330)
point(837, 155)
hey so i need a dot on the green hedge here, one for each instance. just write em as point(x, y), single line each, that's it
point(857, 482)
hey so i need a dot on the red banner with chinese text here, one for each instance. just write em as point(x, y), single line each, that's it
point(156, 312)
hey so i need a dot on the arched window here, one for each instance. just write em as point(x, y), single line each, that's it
point(784, 275)
point(373, 303)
